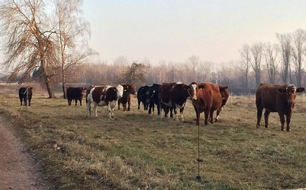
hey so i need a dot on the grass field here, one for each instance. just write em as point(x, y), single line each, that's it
point(141, 151)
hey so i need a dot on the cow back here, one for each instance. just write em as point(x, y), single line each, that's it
point(75, 92)
point(96, 93)
point(25, 91)
point(204, 96)
point(277, 98)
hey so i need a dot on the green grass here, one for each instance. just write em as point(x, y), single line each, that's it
point(141, 151)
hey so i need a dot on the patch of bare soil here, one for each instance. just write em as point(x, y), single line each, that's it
point(18, 169)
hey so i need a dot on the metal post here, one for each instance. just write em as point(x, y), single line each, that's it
point(199, 160)
point(27, 98)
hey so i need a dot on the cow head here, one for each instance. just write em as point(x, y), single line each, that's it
point(119, 91)
point(290, 92)
point(193, 91)
point(224, 94)
point(129, 89)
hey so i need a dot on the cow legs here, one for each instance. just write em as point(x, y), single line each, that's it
point(288, 118)
point(139, 104)
point(129, 106)
point(211, 116)
point(206, 114)
point(76, 102)
point(25, 101)
point(88, 105)
point(282, 120)
point(95, 109)
point(175, 114)
point(118, 102)
point(124, 107)
point(259, 113)
point(218, 113)
point(267, 113)
point(111, 106)
point(110, 111)
point(151, 106)
point(181, 113)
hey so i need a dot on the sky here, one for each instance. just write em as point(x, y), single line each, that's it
point(174, 30)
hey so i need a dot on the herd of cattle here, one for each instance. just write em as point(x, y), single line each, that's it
point(170, 97)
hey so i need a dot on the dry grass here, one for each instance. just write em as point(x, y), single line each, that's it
point(141, 151)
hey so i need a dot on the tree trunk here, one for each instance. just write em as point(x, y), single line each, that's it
point(64, 84)
point(47, 79)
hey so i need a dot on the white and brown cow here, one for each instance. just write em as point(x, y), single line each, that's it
point(103, 96)
point(175, 95)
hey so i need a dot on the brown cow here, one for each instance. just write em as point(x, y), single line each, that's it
point(128, 89)
point(104, 96)
point(276, 98)
point(210, 97)
point(224, 94)
point(174, 95)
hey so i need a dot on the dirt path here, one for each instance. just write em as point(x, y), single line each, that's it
point(18, 170)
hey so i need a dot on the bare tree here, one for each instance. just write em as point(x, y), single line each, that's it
point(72, 33)
point(245, 54)
point(256, 51)
point(271, 53)
point(28, 39)
point(298, 46)
point(285, 44)
point(194, 61)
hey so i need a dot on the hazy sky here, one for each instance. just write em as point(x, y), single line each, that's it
point(173, 30)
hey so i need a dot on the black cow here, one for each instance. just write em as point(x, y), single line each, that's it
point(25, 95)
point(152, 98)
point(175, 95)
point(142, 97)
point(75, 93)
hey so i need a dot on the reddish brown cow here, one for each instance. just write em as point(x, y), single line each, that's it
point(224, 94)
point(174, 95)
point(210, 97)
point(276, 98)
point(128, 89)
point(104, 96)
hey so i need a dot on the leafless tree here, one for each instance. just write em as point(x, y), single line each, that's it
point(298, 47)
point(256, 52)
point(285, 44)
point(28, 39)
point(271, 52)
point(194, 62)
point(245, 54)
point(72, 33)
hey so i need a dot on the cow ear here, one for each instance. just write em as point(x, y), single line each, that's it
point(201, 86)
point(281, 90)
point(300, 89)
point(223, 87)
